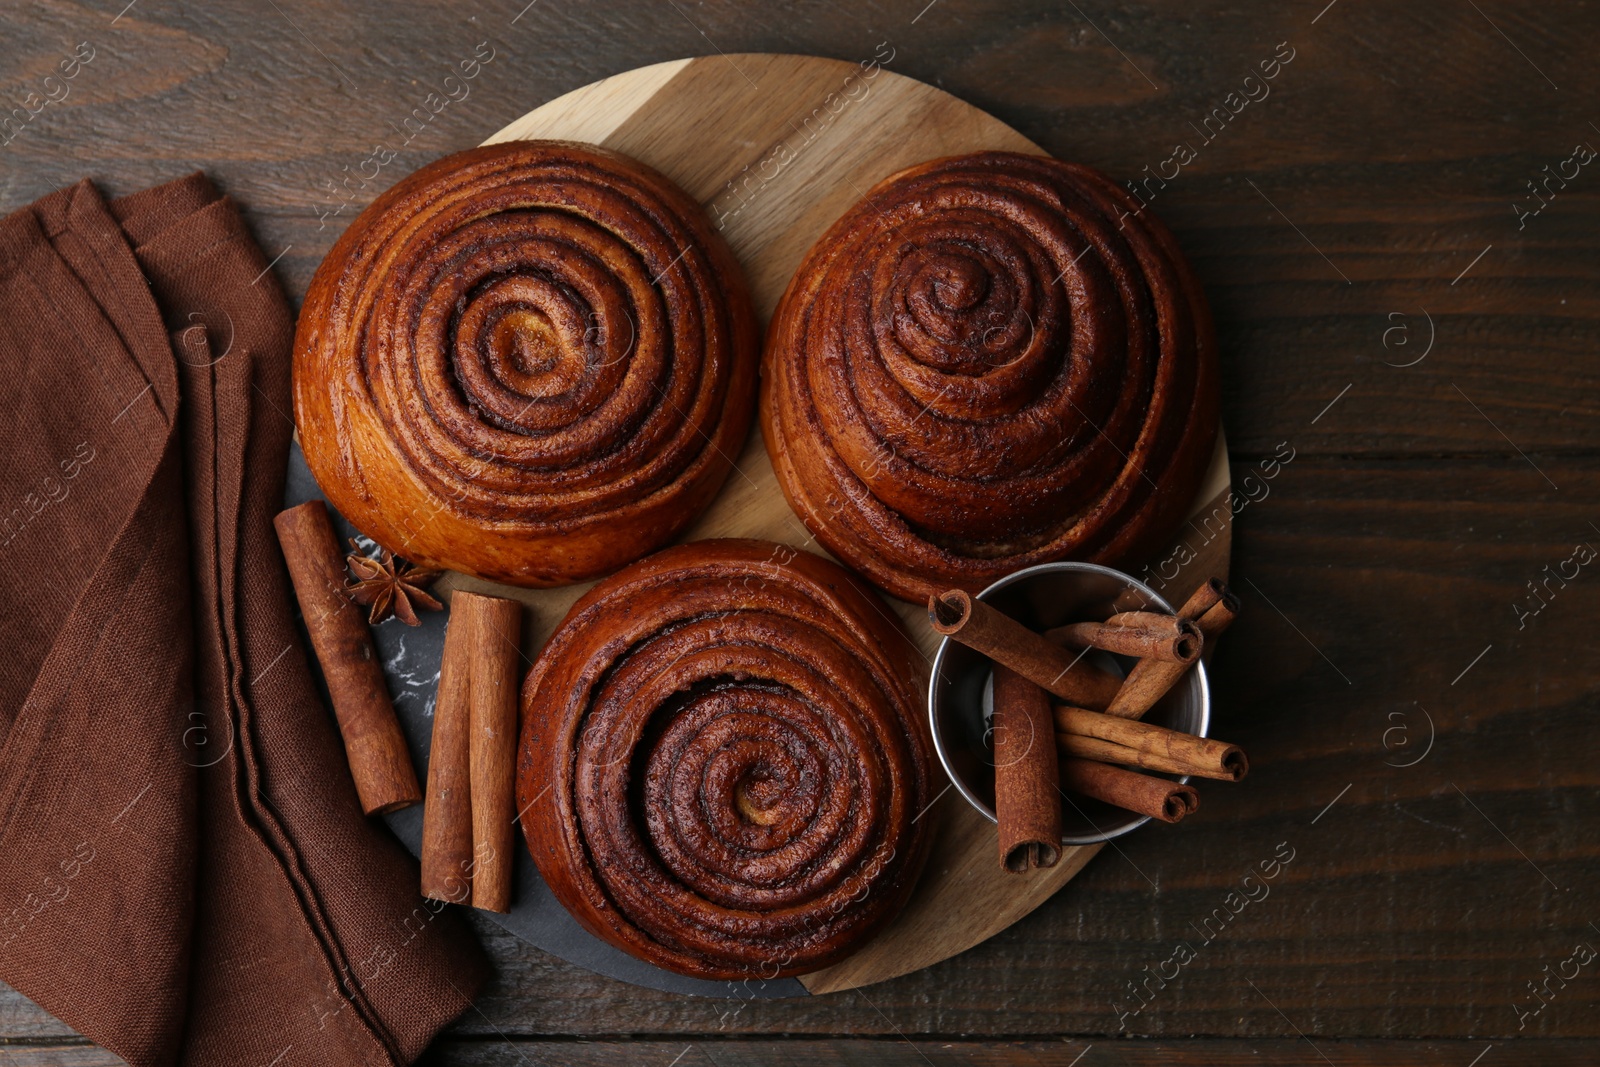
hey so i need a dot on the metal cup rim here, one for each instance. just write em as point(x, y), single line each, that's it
point(934, 689)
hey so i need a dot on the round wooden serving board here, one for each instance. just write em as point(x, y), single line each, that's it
point(777, 147)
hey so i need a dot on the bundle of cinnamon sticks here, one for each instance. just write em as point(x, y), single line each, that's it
point(1064, 726)
point(469, 819)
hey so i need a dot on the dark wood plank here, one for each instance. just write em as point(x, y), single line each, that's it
point(22, 1019)
point(57, 1055)
point(897, 1052)
point(1396, 140)
point(1397, 544)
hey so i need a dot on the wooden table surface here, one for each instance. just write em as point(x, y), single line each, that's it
point(1398, 313)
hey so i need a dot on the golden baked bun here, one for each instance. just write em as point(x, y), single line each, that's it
point(533, 362)
point(724, 761)
point(991, 361)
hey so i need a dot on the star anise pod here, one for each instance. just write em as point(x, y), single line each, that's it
point(390, 586)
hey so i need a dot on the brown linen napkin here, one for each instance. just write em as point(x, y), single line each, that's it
point(191, 875)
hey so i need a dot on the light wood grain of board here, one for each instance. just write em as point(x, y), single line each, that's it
point(816, 134)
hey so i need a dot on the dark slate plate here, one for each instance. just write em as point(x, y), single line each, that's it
point(411, 664)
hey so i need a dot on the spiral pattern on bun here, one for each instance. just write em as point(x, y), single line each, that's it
point(722, 761)
point(991, 361)
point(532, 362)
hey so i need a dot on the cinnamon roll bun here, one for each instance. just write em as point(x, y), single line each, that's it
point(722, 766)
point(992, 361)
point(532, 362)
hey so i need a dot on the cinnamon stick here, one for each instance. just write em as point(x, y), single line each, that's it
point(447, 861)
point(1129, 790)
point(1211, 592)
point(1135, 633)
point(374, 745)
point(1094, 735)
point(1211, 608)
point(1093, 748)
point(1027, 798)
point(985, 629)
point(497, 625)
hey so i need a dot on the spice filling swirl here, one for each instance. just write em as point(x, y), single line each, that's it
point(532, 340)
point(734, 762)
point(991, 361)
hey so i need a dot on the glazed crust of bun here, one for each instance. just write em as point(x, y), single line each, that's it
point(532, 362)
point(991, 361)
point(723, 761)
